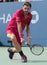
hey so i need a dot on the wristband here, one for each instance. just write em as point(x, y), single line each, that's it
point(21, 35)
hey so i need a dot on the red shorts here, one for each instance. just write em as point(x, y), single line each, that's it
point(16, 34)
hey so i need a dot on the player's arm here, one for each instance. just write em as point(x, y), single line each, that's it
point(28, 34)
point(27, 30)
point(19, 27)
point(18, 20)
point(21, 35)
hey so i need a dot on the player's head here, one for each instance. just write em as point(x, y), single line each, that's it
point(26, 7)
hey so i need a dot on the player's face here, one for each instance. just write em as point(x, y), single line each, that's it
point(26, 9)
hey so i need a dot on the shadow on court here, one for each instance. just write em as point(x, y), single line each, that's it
point(37, 61)
point(31, 61)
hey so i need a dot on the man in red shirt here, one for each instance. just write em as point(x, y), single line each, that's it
point(20, 21)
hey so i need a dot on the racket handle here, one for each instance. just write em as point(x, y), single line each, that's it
point(28, 45)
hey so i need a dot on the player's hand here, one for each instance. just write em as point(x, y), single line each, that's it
point(29, 39)
point(22, 40)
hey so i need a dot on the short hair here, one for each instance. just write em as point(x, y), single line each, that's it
point(27, 4)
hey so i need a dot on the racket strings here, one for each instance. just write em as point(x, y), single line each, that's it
point(37, 50)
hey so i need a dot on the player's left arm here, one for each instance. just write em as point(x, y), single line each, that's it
point(28, 29)
point(28, 33)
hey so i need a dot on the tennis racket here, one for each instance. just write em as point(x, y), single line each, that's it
point(36, 49)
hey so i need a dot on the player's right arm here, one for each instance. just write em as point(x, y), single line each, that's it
point(21, 35)
point(19, 26)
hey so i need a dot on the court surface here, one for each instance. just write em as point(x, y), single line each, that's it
point(32, 59)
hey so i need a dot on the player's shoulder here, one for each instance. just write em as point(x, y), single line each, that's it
point(30, 15)
point(20, 11)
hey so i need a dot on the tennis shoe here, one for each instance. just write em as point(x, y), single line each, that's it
point(24, 58)
point(11, 53)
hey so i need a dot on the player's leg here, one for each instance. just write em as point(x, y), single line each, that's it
point(23, 57)
point(17, 48)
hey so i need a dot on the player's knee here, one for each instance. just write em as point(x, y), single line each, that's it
point(13, 37)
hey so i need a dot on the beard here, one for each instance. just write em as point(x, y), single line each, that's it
point(25, 13)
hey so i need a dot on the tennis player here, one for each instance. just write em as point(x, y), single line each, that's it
point(20, 21)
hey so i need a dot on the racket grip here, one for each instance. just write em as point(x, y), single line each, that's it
point(28, 45)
